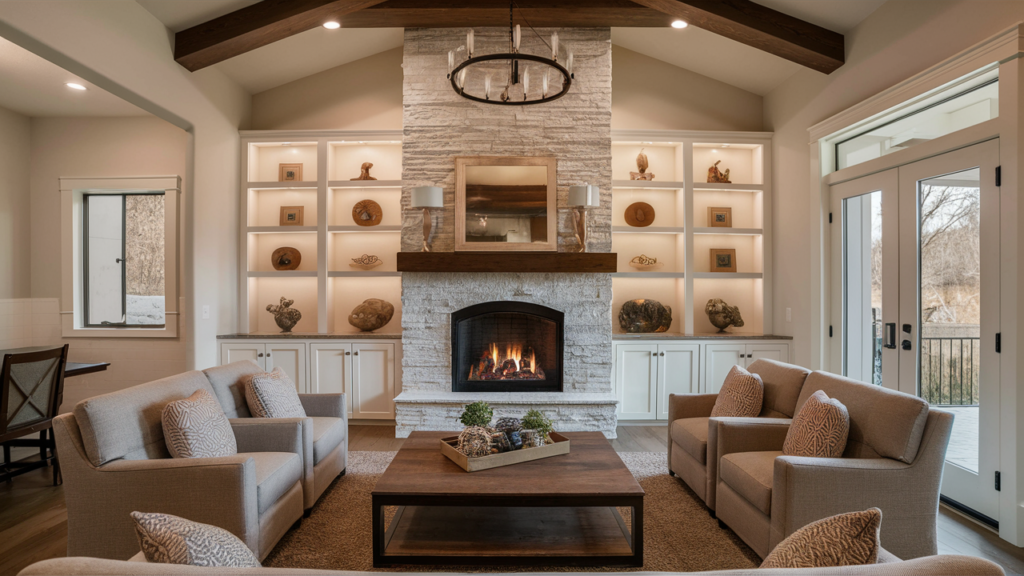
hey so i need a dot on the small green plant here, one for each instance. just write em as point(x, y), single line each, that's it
point(535, 420)
point(477, 414)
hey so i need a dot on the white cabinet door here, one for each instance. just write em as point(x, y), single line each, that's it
point(330, 370)
point(636, 374)
point(677, 373)
point(718, 360)
point(243, 351)
point(373, 381)
point(778, 352)
point(291, 358)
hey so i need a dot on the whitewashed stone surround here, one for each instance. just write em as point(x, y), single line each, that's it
point(440, 126)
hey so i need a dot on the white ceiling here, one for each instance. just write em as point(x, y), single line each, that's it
point(693, 49)
point(34, 87)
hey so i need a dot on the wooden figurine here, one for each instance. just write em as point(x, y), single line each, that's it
point(641, 164)
point(715, 175)
point(364, 172)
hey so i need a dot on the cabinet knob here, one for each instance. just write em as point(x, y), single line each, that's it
point(355, 353)
point(662, 354)
point(268, 354)
point(347, 353)
point(260, 355)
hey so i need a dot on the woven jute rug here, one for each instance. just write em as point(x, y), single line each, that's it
point(679, 535)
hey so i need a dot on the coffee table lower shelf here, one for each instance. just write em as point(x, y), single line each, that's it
point(479, 535)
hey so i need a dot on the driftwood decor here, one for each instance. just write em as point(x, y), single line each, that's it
point(367, 213)
point(641, 164)
point(643, 262)
point(364, 172)
point(285, 316)
point(645, 316)
point(366, 262)
point(639, 214)
point(717, 176)
point(286, 258)
point(721, 315)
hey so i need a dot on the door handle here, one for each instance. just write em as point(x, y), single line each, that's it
point(906, 345)
point(890, 335)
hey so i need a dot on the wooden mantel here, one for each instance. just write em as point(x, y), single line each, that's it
point(533, 262)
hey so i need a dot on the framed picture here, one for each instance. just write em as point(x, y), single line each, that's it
point(289, 172)
point(719, 217)
point(723, 259)
point(291, 215)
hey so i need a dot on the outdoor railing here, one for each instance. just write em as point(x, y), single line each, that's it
point(949, 370)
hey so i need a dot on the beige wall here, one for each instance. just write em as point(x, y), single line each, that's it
point(902, 38)
point(361, 95)
point(648, 94)
point(15, 270)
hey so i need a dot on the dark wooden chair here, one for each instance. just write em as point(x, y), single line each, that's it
point(33, 388)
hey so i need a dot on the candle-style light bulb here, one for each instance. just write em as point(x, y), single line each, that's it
point(487, 87)
point(526, 82)
point(554, 46)
point(462, 78)
point(469, 43)
point(544, 85)
point(518, 37)
point(568, 62)
point(451, 62)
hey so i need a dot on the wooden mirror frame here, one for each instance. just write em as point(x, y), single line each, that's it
point(460, 204)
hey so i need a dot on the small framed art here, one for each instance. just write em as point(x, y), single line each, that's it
point(289, 172)
point(719, 217)
point(291, 215)
point(723, 259)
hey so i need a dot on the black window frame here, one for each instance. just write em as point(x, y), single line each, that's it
point(124, 246)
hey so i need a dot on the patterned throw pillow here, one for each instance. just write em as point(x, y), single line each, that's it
point(273, 395)
point(741, 395)
point(196, 427)
point(819, 430)
point(842, 540)
point(167, 539)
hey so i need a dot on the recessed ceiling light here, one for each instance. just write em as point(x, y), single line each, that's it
point(678, 24)
point(332, 25)
point(74, 86)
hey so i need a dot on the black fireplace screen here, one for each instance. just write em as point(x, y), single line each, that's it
point(507, 347)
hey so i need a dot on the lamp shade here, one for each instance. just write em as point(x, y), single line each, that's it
point(427, 197)
point(585, 195)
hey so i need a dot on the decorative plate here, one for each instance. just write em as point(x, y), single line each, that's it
point(639, 214)
point(286, 258)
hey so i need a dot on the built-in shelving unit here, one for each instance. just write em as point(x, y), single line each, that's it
point(681, 237)
point(324, 287)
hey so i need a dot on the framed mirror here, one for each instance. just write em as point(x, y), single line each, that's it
point(505, 203)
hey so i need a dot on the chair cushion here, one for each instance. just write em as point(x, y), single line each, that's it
point(740, 396)
point(276, 473)
point(883, 423)
point(750, 475)
point(227, 384)
point(849, 539)
point(196, 427)
point(782, 385)
point(167, 539)
point(819, 429)
point(328, 433)
point(691, 434)
point(272, 395)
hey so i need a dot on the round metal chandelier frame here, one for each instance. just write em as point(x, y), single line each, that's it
point(512, 57)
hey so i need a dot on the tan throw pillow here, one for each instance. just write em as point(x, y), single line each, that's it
point(273, 395)
point(741, 395)
point(167, 539)
point(842, 540)
point(819, 430)
point(196, 427)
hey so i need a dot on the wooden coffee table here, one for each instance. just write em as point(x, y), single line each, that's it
point(555, 511)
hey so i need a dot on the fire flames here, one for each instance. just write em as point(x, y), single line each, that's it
point(508, 364)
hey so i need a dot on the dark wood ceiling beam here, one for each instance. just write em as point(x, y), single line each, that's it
point(254, 26)
point(481, 13)
point(761, 27)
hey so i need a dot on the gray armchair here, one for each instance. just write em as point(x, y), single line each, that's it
point(324, 431)
point(893, 460)
point(114, 461)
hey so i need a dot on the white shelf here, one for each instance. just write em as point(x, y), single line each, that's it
point(364, 184)
point(280, 229)
point(733, 231)
point(647, 184)
point(289, 184)
point(648, 275)
point(283, 274)
point(355, 229)
point(729, 187)
point(648, 230)
point(363, 274)
point(723, 275)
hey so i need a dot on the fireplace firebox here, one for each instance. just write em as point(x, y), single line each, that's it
point(507, 347)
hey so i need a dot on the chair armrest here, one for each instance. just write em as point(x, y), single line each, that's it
point(750, 435)
point(690, 406)
point(329, 405)
point(272, 434)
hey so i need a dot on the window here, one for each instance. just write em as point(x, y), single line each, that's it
point(123, 240)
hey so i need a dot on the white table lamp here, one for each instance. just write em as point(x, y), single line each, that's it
point(427, 197)
point(581, 198)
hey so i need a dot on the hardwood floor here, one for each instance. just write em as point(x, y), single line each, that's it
point(33, 520)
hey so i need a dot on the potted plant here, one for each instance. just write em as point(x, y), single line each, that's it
point(535, 420)
point(477, 414)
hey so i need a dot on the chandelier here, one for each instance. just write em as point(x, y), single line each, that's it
point(513, 68)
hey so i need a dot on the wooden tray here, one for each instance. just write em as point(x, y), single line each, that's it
point(559, 446)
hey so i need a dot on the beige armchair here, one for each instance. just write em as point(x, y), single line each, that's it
point(114, 461)
point(324, 432)
point(893, 460)
point(692, 433)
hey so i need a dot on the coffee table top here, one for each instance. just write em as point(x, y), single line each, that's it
point(591, 468)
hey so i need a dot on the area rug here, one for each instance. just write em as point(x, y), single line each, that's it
point(679, 535)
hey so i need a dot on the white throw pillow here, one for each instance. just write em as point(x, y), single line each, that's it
point(196, 427)
point(273, 395)
point(167, 539)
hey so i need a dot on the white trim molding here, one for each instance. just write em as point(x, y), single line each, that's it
point(72, 312)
